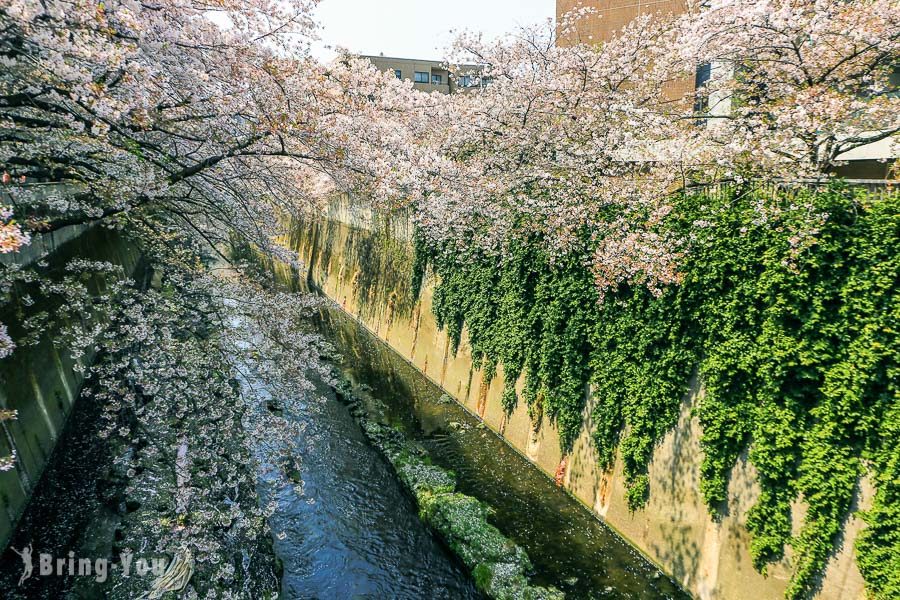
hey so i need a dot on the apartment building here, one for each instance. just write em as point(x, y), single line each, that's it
point(873, 161)
point(429, 75)
point(611, 16)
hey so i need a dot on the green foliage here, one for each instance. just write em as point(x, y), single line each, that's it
point(499, 566)
point(641, 368)
point(537, 320)
point(483, 576)
point(878, 546)
point(787, 312)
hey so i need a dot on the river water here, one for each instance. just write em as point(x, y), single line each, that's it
point(569, 547)
point(344, 527)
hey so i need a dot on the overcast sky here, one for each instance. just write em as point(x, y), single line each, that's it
point(418, 28)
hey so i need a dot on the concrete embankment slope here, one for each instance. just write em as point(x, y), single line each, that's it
point(43, 381)
point(364, 264)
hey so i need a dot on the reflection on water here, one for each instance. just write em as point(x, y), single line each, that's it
point(346, 529)
point(570, 548)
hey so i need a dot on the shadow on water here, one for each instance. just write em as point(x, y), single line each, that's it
point(569, 547)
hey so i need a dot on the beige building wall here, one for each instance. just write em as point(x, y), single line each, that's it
point(446, 82)
point(368, 275)
point(611, 16)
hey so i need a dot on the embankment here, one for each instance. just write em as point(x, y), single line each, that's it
point(43, 381)
point(364, 264)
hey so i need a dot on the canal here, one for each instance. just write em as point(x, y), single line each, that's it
point(344, 526)
point(569, 547)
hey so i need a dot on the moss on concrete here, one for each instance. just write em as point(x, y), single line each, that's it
point(498, 565)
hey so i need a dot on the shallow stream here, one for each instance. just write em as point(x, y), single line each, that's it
point(345, 528)
point(569, 547)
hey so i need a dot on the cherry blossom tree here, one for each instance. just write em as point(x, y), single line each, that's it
point(192, 127)
point(186, 373)
point(568, 144)
point(11, 239)
point(580, 145)
point(213, 113)
point(801, 82)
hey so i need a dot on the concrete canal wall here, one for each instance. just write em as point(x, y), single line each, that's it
point(364, 264)
point(42, 382)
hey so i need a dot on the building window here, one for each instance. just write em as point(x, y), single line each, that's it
point(398, 73)
point(465, 81)
point(704, 73)
point(421, 77)
point(701, 101)
point(436, 79)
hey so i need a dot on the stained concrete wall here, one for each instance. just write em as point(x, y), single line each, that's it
point(364, 263)
point(43, 381)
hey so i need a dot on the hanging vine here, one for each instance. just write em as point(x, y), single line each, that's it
point(787, 312)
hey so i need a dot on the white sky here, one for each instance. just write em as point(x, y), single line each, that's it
point(418, 28)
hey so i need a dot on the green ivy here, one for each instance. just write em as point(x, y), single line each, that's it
point(788, 313)
point(537, 321)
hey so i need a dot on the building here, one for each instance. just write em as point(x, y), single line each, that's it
point(611, 16)
point(873, 161)
point(429, 75)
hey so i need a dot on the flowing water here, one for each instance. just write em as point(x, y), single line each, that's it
point(345, 528)
point(569, 547)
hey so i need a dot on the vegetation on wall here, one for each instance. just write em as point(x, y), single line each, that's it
point(787, 311)
point(531, 320)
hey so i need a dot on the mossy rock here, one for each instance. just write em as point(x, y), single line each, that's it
point(421, 477)
point(499, 566)
point(462, 520)
point(504, 582)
